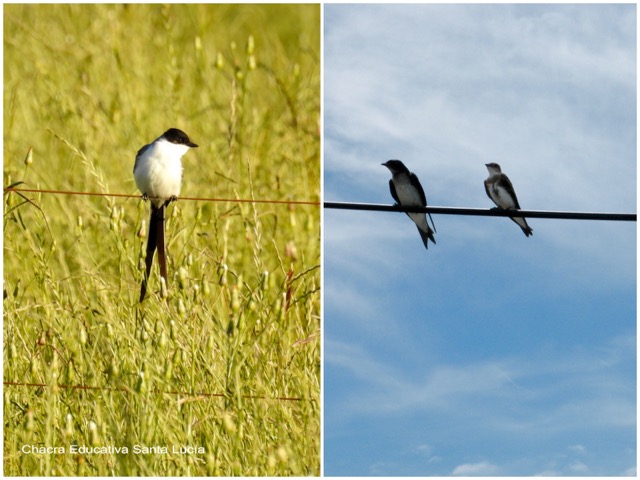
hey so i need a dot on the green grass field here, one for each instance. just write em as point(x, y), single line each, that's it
point(224, 366)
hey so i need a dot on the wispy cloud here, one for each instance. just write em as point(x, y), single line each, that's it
point(480, 389)
point(476, 469)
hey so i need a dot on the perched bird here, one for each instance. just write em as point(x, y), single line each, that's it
point(500, 190)
point(158, 175)
point(407, 191)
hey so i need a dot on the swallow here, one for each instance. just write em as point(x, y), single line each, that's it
point(406, 191)
point(500, 190)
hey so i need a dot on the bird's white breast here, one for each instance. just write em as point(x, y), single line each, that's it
point(407, 194)
point(502, 197)
point(158, 170)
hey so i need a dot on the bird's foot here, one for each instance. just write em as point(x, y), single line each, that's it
point(144, 197)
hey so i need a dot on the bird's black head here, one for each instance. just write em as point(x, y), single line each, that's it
point(396, 166)
point(175, 135)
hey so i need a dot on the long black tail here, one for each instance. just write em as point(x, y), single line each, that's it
point(155, 241)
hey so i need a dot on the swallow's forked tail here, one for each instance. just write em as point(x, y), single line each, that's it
point(426, 236)
point(522, 223)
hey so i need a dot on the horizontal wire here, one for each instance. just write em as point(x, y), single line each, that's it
point(127, 195)
point(494, 212)
point(113, 389)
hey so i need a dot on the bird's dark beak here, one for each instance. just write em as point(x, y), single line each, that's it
point(192, 145)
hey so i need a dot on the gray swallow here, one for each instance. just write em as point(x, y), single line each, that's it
point(407, 191)
point(500, 190)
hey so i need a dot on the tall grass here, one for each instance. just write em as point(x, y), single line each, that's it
point(227, 357)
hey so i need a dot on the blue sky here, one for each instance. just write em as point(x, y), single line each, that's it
point(490, 353)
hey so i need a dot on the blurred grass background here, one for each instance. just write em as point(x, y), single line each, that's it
point(85, 86)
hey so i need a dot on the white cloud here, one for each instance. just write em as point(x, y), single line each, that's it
point(353, 359)
point(579, 449)
point(578, 468)
point(484, 392)
point(424, 449)
point(476, 469)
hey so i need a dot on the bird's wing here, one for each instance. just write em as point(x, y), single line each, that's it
point(392, 188)
point(506, 183)
point(486, 189)
point(415, 183)
point(140, 152)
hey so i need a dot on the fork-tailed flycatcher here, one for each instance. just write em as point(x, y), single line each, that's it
point(158, 175)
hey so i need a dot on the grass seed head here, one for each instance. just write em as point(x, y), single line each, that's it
point(228, 423)
point(250, 45)
point(282, 454)
point(222, 274)
point(291, 251)
point(28, 160)
point(141, 386)
point(67, 431)
point(182, 278)
point(168, 370)
point(29, 423)
point(219, 61)
point(235, 299)
point(206, 289)
point(164, 293)
point(162, 341)
point(264, 283)
point(271, 462)
point(94, 438)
